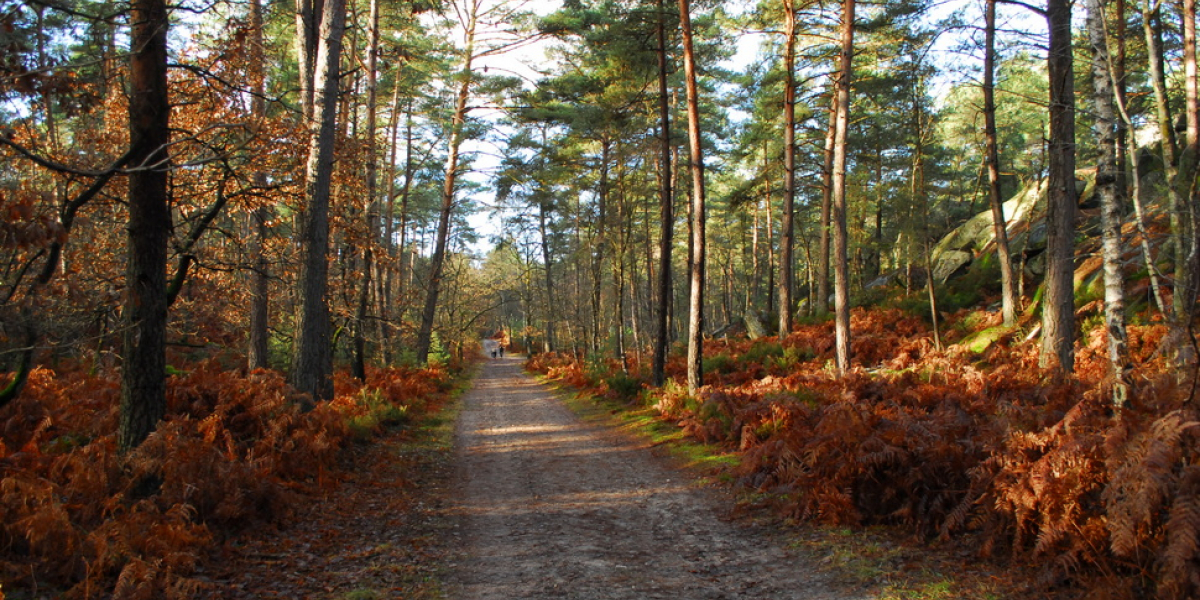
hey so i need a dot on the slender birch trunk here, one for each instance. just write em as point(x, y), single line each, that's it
point(1111, 196)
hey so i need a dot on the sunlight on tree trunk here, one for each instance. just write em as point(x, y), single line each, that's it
point(838, 191)
point(1186, 183)
point(1111, 199)
point(695, 373)
point(824, 223)
point(1008, 283)
point(787, 243)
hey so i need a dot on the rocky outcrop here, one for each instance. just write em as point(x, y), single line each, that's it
point(1024, 214)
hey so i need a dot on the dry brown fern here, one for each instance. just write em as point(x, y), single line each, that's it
point(1143, 481)
point(1179, 567)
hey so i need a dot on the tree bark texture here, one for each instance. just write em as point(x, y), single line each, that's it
point(1058, 316)
point(821, 307)
point(258, 337)
point(312, 354)
point(1185, 183)
point(1181, 220)
point(838, 191)
point(1111, 196)
point(308, 35)
point(143, 376)
point(787, 242)
point(359, 366)
point(550, 344)
point(697, 260)
point(1008, 281)
point(667, 219)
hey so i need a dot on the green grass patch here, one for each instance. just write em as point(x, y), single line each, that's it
point(896, 570)
point(648, 424)
point(380, 414)
point(762, 352)
point(719, 363)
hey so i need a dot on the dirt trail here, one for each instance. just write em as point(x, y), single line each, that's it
point(551, 507)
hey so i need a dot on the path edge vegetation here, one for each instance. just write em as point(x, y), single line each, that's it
point(883, 560)
point(972, 447)
point(235, 453)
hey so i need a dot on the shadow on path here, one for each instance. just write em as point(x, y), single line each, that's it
point(551, 507)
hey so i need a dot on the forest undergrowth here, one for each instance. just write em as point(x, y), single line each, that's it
point(986, 449)
point(235, 450)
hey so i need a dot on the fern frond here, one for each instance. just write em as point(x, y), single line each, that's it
point(136, 581)
point(1181, 555)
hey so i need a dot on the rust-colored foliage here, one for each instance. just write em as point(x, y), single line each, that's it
point(949, 445)
point(234, 450)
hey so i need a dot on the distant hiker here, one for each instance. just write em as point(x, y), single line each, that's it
point(501, 351)
point(493, 353)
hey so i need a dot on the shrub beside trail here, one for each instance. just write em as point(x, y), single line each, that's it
point(235, 449)
point(952, 444)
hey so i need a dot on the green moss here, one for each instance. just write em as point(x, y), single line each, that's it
point(1090, 290)
point(982, 340)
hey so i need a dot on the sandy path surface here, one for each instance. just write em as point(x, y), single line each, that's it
point(551, 507)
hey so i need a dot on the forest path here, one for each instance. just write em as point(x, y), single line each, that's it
point(549, 506)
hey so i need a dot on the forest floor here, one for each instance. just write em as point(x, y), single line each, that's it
point(526, 500)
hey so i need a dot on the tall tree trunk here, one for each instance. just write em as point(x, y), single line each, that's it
point(312, 355)
point(695, 373)
point(838, 191)
point(919, 193)
point(599, 244)
point(1181, 230)
point(1119, 89)
point(143, 376)
point(258, 338)
point(309, 14)
point(823, 287)
point(1111, 196)
point(405, 275)
point(1058, 317)
point(1156, 63)
point(1116, 74)
point(787, 243)
point(258, 350)
point(360, 314)
point(1185, 184)
point(437, 261)
point(1008, 282)
point(389, 266)
point(770, 247)
point(667, 220)
point(550, 344)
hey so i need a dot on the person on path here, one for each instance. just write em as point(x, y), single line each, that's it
point(501, 347)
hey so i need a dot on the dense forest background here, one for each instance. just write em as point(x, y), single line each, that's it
point(291, 196)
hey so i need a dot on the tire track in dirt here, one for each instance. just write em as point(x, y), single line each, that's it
point(550, 507)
